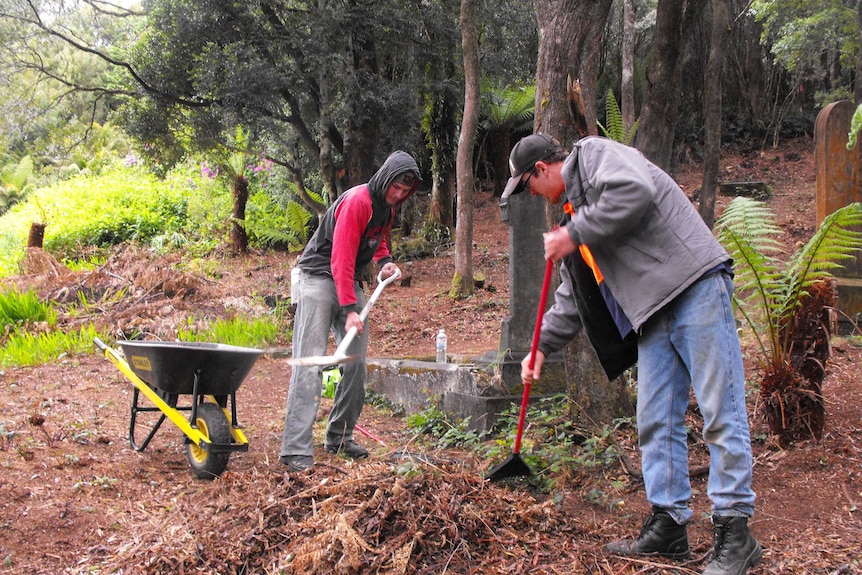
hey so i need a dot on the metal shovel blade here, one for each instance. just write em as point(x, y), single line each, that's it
point(513, 466)
point(321, 360)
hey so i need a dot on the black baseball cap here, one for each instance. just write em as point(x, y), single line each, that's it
point(523, 158)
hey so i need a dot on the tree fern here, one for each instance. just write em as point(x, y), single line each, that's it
point(510, 108)
point(770, 286)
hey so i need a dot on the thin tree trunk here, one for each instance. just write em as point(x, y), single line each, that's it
point(501, 147)
point(238, 236)
point(441, 131)
point(627, 86)
point(712, 109)
point(362, 127)
point(462, 283)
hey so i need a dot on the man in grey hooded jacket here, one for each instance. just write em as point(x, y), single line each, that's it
point(648, 282)
point(352, 234)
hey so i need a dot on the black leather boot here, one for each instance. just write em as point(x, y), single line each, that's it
point(735, 548)
point(660, 535)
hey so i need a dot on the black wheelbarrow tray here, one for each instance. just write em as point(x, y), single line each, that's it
point(210, 373)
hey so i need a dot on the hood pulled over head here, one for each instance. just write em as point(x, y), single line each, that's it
point(399, 165)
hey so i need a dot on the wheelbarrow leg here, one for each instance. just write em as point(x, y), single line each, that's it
point(135, 409)
point(233, 419)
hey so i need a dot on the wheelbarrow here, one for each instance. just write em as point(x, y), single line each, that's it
point(210, 373)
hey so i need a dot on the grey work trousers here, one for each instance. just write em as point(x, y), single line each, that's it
point(317, 314)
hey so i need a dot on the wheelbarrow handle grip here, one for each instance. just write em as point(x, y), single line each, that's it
point(100, 344)
point(351, 333)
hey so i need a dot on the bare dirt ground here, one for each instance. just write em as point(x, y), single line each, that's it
point(75, 498)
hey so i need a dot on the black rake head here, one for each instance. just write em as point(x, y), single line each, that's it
point(513, 466)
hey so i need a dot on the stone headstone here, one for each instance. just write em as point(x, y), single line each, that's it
point(839, 183)
point(525, 216)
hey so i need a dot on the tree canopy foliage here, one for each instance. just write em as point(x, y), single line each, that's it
point(818, 42)
point(327, 88)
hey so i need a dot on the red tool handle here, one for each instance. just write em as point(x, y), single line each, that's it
point(549, 270)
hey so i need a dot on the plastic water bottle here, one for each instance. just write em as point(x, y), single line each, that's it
point(442, 342)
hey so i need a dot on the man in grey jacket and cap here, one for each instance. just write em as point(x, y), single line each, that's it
point(352, 234)
point(649, 283)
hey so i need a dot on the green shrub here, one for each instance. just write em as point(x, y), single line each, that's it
point(189, 210)
point(271, 223)
point(117, 206)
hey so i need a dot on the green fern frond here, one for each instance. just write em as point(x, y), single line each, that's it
point(614, 118)
point(319, 198)
point(237, 161)
point(747, 230)
point(770, 292)
point(14, 175)
point(615, 130)
point(297, 218)
point(838, 239)
point(273, 237)
point(508, 107)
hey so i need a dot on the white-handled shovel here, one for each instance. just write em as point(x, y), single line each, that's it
point(340, 355)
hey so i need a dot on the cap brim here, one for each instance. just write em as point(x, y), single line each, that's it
point(513, 187)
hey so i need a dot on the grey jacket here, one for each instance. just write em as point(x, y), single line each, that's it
point(648, 240)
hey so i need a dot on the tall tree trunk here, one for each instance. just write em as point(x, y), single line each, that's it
point(582, 22)
point(462, 283)
point(712, 109)
point(238, 236)
point(441, 135)
point(627, 86)
point(655, 137)
point(327, 166)
point(655, 134)
point(362, 127)
point(500, 156)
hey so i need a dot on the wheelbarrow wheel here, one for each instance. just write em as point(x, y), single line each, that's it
point(213, 424)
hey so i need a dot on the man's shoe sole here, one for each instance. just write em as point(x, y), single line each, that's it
point(753, 559)
point(295, 466)
point(684, 556)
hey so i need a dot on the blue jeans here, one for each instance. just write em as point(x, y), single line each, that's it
point(317, 314)
point(692, 344)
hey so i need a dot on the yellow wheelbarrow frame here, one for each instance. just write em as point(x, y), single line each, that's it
point(210, 373)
